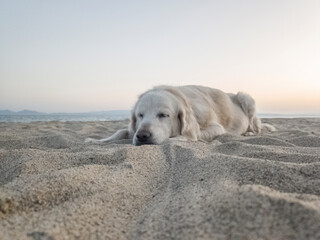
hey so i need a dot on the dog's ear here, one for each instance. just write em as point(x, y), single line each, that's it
point(189, 126)
point(132, 124)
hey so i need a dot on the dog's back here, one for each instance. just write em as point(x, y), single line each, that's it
point(235, 112)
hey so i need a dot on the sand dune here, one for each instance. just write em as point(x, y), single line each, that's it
point(54, 186)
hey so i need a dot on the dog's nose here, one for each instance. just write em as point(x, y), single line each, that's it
point(143, 136)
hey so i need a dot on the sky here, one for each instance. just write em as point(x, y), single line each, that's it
point(79, 56)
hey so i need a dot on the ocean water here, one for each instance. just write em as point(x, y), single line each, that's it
point(287, 115)
point(85, 117)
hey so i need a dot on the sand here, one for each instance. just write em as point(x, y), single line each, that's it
point(54, 186)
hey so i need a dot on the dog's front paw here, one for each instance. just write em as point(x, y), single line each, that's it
point(182, 139)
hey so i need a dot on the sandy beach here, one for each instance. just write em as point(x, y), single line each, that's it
point(55, 186)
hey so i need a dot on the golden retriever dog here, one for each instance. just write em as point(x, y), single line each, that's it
point(189, 112)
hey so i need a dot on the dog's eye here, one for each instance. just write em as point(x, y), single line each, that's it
point(163, 115)
point(140, 115)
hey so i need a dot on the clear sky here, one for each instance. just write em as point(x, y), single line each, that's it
point(75, 56)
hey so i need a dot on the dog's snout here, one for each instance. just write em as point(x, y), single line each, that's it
point(144, 136)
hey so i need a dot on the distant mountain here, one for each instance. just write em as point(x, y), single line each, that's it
point(31, 112)
point(111, 112)
point(23, 112)
point(6, 112)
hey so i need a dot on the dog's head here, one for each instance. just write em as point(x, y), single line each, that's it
point(162, 113)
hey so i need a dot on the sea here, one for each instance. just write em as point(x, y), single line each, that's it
point(66, 117)
point(110, 116)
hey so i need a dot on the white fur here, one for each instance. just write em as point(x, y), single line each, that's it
point(190, 112)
